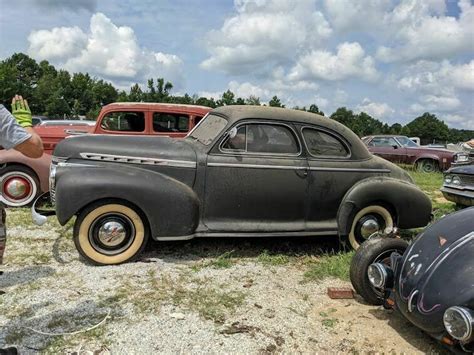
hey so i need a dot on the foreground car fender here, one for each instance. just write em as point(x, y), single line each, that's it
point(172, 210)
point(403, 197)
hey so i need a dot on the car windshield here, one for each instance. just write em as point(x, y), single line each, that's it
point(208, 129)
point(406, 142)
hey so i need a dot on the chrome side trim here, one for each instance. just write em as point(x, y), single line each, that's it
point(139, 160)
point(257, 166)
point(288, 167)
point(351, 170)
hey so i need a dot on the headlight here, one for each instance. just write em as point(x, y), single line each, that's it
point(377, 275)
point(459, 322)
point(448, 179)
point(52, 175)
point(456, 180)
point(458, 158)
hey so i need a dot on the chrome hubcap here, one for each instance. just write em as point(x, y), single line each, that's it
point(369, 227)
point(17, 188)
point(112, 233)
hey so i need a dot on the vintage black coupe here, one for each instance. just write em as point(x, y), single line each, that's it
point(430, 281)
point(242, 171)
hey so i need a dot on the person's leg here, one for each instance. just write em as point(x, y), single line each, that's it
point(3, 234)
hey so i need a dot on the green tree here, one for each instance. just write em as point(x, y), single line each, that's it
point(429, 128)
point(253, 100)
point(226, 99)
point(275, 102)
point(315, 109)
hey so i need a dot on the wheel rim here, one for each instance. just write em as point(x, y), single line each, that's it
point(18, 188)
point(368, 221)
point(428, 166)
point(111, 233)
point(368, 225)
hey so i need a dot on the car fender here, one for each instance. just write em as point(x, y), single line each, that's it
point(411, 206)
point(171, 210)
point(427, 156)
point(40, 166)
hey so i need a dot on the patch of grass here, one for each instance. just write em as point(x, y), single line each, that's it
point(223, 261)
point(335, 265)
point(329, 322)
point(273, 259)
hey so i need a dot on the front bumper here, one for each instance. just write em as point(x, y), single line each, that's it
point(461, 197)
point(42, 209)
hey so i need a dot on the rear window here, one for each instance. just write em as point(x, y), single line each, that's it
point(168, 122)
point(322, 144)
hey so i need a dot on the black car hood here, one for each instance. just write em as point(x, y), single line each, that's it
point(437, 271)
point(126, 146)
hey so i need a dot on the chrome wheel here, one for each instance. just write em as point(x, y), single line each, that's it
point(18, 188)
point(367, 222)
point(111, 233)
point(368, 225)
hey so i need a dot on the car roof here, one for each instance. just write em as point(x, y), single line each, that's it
point(236, 113)
point(158, 105)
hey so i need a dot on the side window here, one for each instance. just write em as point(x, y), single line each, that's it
point(322, 144)
point(263, 138)
point(169, 122)
point(123, 121)
point(382, 142)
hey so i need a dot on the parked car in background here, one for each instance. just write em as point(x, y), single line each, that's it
point(430, 281)
point(129, 118)
point(242, 171)
point(22, 179)
point(402, 150)
point(458, 185)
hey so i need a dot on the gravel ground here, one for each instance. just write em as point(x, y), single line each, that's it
point(201, 296)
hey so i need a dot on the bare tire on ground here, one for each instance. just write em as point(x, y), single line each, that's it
point(427, 165)
point(19, 186)
point(367, 221)
point(372, 251)
point(107, 233)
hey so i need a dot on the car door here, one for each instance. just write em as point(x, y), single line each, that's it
point(256, 180)
point(388, 148)
point(332, 173)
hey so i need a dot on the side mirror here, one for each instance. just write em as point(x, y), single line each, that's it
point(232, 133)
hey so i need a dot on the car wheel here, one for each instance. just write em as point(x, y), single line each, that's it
point(372, 251)
point(108, 233)
point(19, 186)
point(427, 165)
point(367, 221)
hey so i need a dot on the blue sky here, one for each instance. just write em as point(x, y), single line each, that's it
point(391, 59)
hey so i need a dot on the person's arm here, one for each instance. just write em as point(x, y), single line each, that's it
point(16, 132)
point(32, 147)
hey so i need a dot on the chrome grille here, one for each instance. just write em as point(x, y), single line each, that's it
point(467, 179)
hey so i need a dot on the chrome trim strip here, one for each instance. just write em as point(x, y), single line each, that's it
point(257, 166)
point(289, 167)
point(139, 160)
point(357, 170)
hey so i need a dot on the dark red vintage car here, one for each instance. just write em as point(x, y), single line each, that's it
point(22, 178)
point(402, 150)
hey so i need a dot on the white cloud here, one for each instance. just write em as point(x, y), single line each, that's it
point(379, 110)
point(436, 104)
point(349, 61)
point(418, 34)
point(59, 43)
point(264, 32)
point(438, 78)
point(108, 51)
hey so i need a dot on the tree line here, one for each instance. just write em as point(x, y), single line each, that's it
point(57, 94)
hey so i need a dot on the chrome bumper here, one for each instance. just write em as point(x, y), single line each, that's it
point(38, 211)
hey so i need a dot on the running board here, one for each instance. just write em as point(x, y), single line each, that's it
point(249, 235)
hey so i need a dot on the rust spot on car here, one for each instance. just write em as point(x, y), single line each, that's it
point(442, 240)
